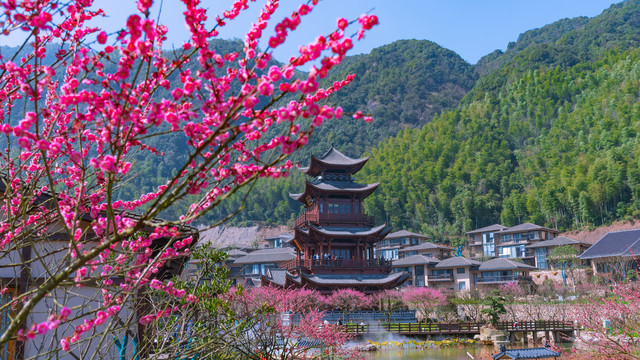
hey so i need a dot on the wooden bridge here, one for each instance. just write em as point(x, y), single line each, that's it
point(457, 328)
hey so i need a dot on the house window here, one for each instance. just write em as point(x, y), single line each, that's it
point(410, 253)
point(415, 241)
point(462, 285)
point(541, 258)
point(460, 270)
point(488, 244)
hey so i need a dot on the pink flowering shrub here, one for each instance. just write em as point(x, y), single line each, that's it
point(348, 301)
point(78, 104)
point(611, 324)
point(284, 324)
point(423, 300)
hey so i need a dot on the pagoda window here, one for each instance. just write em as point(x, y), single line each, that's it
point(355, 208)
point(321, 208)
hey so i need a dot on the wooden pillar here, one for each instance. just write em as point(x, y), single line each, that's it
point(524, 337)
point(512, 337)
point(535, 337)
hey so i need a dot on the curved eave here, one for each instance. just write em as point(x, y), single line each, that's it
point(324, 188)
point(377, 231)
point(390, 282)
point(317, 166)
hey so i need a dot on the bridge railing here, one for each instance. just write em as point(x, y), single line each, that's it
point(455, 328)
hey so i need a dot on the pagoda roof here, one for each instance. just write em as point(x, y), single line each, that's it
point(333, 159)
point(347, 231)
point(355, 280)
point(335, 187)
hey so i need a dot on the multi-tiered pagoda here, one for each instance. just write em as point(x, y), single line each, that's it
point(334, 238)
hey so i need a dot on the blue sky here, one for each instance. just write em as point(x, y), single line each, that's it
point(472, 28)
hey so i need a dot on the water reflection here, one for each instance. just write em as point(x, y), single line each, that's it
point(433, 354)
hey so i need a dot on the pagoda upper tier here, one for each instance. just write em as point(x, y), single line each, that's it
point(336, 162)
point(320, 188)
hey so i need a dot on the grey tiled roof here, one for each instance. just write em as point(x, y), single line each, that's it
point(355, 279)
point(618, 243)
point(267, 256)
point(236, 253)
point(426, 246)
point(490, 228)
point(559, 241)
point(528, 353)
point(504, 264)
point(404, 233)
point(457, 261)
point(525, 227)
point(278, 276)
point(414, 260)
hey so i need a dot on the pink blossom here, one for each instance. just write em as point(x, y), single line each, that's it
point(102, 37)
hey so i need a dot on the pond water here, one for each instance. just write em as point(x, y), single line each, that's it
point(433, 354)
point(478, 353)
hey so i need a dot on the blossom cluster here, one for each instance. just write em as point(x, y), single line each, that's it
point(80, 106)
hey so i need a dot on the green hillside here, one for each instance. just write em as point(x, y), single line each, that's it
point(541, 139)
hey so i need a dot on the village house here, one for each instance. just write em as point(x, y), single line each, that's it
point(482, 242)
point(508, 242)
point(462, 274)
point(249, 268)
point(502, 271)
point(390, 247)
point(614, 255)
point(417, 266)
point(543, 248)
point(427, 249)
point(453, 273)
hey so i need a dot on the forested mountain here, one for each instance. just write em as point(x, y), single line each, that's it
point(544, 35)
point(551, 137)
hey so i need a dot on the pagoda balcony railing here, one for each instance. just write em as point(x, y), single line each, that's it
point(317, 217)
point(339, 264)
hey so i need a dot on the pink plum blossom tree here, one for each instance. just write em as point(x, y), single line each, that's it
point(78, 104)
point(423, 300)
point(348, 301)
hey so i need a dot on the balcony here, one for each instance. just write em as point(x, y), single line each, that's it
point(321, 266)
point(440, 277)
point(502, 279)
point(314, 216)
